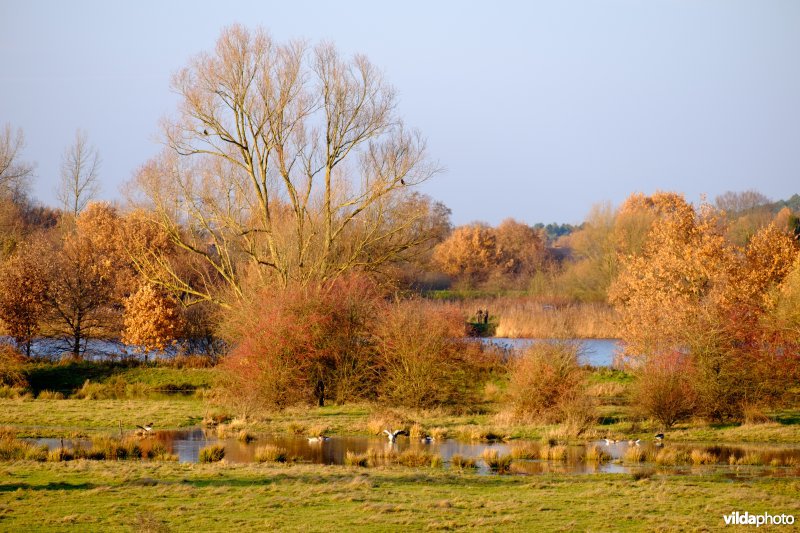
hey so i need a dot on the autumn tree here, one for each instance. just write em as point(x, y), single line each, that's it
point(521, 248)
point(152, 320)
point(302, 344)
point(23, 290)
point(85, 272)
point(476, 253)
point(469, 253)
point(691, 291)
point(285, 164)
point(79, 184)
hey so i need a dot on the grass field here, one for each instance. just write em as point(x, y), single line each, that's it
point(124, 496)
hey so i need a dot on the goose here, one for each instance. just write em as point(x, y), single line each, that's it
point(659, 436)
point(427, 438)
point(393, 434)
point(609, 442)
point(320, 438)
point(147, 428)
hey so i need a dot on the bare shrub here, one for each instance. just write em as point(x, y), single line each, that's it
point(663, 388)
point(424, 362)
point(548, 384)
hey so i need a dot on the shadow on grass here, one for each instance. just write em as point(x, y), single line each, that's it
point(609, 420)
point(788, 418)
point(11, 487)
point(71, 376)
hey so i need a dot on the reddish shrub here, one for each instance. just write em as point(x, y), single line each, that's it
point(301, 344)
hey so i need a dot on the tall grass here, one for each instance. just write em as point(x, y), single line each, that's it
point(270, 453)
point(498, 463)
point(212, 454)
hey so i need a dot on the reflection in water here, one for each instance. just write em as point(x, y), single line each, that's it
point(530, 457)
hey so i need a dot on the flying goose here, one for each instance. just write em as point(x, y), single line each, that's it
point(146, 428)
point(393, 434)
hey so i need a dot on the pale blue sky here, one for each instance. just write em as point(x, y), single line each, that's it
point(536, 109)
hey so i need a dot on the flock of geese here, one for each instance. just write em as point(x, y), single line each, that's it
point(392, 436)
point(659, 441)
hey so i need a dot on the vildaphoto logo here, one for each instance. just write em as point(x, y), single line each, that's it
point(746, 519)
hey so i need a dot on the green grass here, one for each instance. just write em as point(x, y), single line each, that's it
point(117, 496)
point(57, 418)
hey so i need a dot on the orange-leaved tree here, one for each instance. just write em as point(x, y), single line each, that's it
point(23, 290)
point(152, 320)
point(693, 292)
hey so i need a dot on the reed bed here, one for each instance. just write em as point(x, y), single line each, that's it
point(530, 317)
point(411, 458)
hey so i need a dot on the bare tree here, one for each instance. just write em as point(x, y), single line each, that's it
point(736, 203)
point(286, 164)
point(13, 172)
point(79, 166)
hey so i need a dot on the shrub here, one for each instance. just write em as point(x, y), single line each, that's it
point(423, 360)
point(701, 457)
point(418, 458)
point(547, 384)
point(634, 454)
point(245, 436)
point(671, 457)
point(212, 454)
point(663, 388)
point(12, 449)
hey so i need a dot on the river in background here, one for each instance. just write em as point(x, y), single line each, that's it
point(594, 352)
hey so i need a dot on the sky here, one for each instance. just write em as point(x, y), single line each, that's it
point(537, 110)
